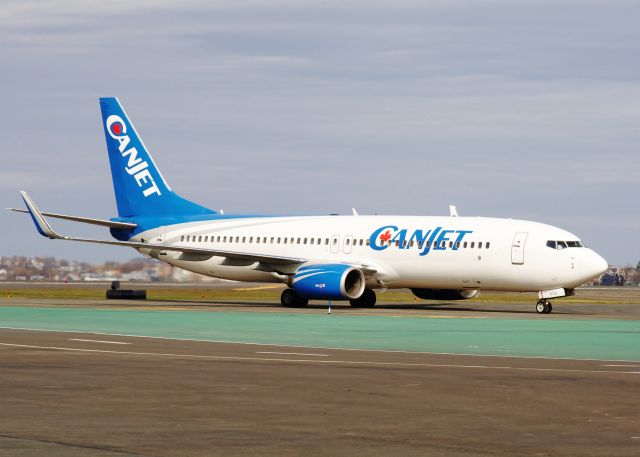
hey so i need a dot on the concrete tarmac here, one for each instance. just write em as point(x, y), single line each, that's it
point(87, 394)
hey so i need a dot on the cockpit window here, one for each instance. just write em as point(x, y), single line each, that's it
point(553, 244)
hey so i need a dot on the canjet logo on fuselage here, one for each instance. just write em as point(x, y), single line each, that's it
point(135, 167)
point(436, 239)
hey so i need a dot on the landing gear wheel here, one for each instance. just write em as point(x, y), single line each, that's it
point(291, 299)
point(543, 307)
point(366, 300)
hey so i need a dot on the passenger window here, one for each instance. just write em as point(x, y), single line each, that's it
point(480, 245)
point(326, 241)
point(347, 241)
point(278, 240)
point(464, 245)
point(487, 246)
point(298, 242)
point(412, 243)
point(404, 244)
point(450, 244)
point(206, 239)
point(258, 239)
point(250, 239)
point(182, 238)
point(398, 243)
point(457, 244)
point(473, 244)
point(420, 244)
point(272, 239)
point(443, 244)
point(368, 241)
point(428, 244)
point(224, 239)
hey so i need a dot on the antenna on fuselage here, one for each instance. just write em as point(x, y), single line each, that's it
point(453, 212)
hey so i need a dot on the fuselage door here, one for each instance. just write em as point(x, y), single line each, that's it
point(347, 244)
point(517, 248)
point(335, 244)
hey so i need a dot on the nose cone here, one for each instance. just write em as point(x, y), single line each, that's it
point(598, 265)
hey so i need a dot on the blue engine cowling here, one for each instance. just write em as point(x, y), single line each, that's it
point(329, 282)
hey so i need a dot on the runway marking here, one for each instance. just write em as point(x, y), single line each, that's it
point(98, 341)
point(293, 353)
point(386, 351)
point(311, 361)
point(627, 366)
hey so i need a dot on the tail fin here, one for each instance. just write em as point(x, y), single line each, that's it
point(140, 188)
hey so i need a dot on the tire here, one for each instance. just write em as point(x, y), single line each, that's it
point(541, 307)
point(366, 300)
point(290, 299)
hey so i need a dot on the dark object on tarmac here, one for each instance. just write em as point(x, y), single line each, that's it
point(124, 294)
point(115, 285)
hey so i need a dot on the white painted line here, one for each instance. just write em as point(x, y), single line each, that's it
point(293, 353)
point(625, 366)
point(326, 362)
point(98, 341)
point(385, 351)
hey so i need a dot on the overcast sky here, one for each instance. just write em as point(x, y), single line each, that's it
point(523, 109)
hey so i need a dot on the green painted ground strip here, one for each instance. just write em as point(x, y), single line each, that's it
point(557, 338)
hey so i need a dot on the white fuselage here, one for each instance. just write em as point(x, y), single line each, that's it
point(405, 251)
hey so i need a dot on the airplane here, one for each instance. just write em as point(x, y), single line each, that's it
point(330, 257)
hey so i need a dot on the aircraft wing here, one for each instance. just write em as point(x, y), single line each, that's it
point(45, 230)
point(85, 220)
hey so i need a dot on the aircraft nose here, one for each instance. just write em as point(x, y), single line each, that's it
point(598, 264)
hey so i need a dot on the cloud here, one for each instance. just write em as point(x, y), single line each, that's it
point(525, 109)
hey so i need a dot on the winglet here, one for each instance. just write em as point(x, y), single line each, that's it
point(41, 223)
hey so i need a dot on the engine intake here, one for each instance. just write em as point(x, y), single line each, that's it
point(445, 294)
point(329, 282)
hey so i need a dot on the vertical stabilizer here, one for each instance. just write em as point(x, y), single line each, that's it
point(140, 188)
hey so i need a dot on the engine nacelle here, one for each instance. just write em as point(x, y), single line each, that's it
point(445, 294)
point(329, 282)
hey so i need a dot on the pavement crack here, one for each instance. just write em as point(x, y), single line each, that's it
point(70, 444)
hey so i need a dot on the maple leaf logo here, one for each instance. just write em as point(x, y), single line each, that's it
point(386, 236)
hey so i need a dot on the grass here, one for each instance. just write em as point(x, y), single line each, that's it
point(271, 294)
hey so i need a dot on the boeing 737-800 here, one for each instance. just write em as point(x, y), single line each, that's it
point(329, 257)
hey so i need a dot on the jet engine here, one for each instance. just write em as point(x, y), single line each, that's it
point(445, 294)
point(328, 282)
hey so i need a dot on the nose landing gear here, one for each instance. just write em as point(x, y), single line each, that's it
point(544, 307)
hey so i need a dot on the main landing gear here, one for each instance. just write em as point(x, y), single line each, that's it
point(291, 299)
point(366, 300)
point(544, 307)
